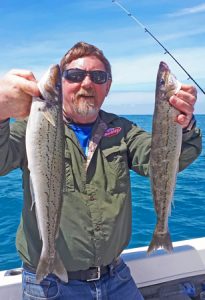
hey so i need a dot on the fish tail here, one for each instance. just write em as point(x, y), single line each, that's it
point(45, 267)
point(59, 269)
point(160, 240)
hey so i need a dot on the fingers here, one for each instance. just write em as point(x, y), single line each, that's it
point(24, 80)
point(184, 101)
point(17, 88)
point(189, 89)
point(22, 73)
point(28, 87)
point(184, 120)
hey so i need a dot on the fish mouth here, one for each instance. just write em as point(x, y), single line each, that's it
point(164, 67)
point(50, 84)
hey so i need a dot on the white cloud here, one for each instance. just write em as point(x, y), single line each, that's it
point(132, 73)
point(130, 102)
point(141, 103)
point(189, 10)
point(139, 73)
point(182, 34)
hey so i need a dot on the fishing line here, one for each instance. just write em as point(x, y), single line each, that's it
point(166, 50)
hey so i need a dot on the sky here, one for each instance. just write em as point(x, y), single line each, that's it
point(36, 34)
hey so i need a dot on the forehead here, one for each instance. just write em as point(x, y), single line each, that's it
point(86, 63)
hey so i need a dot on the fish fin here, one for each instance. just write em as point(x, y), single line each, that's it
point(49, 117)
point(43, 268)
point(160, 240)
point(170, 207)
point(172, 196)
point(46, 266)
point(59, 269)
point(32, 192)
point(33, 203)
point(38, 222)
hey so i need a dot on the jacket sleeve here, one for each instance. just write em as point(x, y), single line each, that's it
point(139, 144)
point(12, 145)
point(191, 147)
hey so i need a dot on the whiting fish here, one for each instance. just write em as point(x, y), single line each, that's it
point(45, 152)
point(164, 156)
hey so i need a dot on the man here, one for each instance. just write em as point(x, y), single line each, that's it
point(100, 148)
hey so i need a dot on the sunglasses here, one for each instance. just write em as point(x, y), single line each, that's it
point(78, 75)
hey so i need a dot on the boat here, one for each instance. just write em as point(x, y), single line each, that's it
point(159, 276)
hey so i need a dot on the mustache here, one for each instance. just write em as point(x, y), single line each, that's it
point(85, 93)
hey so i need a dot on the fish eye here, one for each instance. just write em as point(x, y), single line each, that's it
point(162, 81)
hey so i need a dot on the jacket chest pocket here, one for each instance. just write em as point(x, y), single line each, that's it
point(116, 167)
point(69, 179)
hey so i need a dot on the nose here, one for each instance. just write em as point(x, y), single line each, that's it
point(86, 81)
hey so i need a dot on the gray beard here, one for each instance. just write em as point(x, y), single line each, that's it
point(85, 107)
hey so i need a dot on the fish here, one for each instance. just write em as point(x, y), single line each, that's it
point(164, 155)
point(45, 144)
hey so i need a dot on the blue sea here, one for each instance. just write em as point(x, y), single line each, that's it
point(187, 219)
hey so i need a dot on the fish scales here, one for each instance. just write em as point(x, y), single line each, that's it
point(164, 155)
point(45, 152)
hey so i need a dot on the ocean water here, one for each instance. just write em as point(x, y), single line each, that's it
point(187, 219)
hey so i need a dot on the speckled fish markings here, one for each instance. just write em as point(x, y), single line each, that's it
point(164, 156)
point(45, 152)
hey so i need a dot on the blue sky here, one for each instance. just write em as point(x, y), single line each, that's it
point(36, 34)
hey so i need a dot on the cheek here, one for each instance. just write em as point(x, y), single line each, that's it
point(69, 91)
point(102, 93)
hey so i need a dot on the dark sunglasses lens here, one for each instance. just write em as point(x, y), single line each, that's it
point(99, 77)
point(74, 75)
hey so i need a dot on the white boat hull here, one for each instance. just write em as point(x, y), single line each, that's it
point(187, 260)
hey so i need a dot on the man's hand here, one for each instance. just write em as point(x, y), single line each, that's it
point(184, 101)
point(16, 90)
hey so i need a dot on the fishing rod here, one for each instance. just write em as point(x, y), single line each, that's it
point(166, 50)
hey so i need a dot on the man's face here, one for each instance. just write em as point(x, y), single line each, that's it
point(82, 100)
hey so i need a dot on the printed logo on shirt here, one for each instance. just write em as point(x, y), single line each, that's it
point(112, 131)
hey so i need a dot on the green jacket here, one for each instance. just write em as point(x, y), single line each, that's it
point(96, 214)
